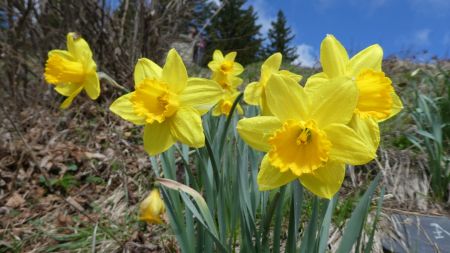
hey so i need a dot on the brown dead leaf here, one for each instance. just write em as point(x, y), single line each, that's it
point(15, 200)
point(64, 220)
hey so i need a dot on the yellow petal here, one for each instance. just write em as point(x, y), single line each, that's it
point(271, 65)
point(231, 56)
point(157, 138)
point(216, 111)
point(347, 146)
point(68, 101)
point(333, 102)
point(256, 131)
point(62, 53)
point(252, 93)
point(124, 108)
point(333, 57)
point(217, 55)
point(397, 105)
point(369, 58)
point(146, 68)
point(67, 89)
point(201, 94)
point(186, 126)
point(325, 181)
point(237, 69)
point(79, 48)
point(270, 177)
point(214, 66)
point(368, 130)
point(151, 208)
point(315, 81)
point(174, 72)
point(289, 74)
point(286, 98)
point(92, 85)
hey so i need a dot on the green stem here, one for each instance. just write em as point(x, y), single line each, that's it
point(227, 123)
point(111, 81)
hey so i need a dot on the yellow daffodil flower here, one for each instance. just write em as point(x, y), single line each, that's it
point(229, 84)
point(73, 70)
point(225, 69)
point(225, 104)
point(307, 138)
point(168, 103)
point(152, 208)
point(255, 93)
point(377, 100)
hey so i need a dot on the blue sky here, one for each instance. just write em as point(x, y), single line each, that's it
point(401, 27)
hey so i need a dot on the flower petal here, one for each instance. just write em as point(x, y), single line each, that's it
point(186, 126)
point(368, 58)
point(79, 48)
point(252, 93)
point(217, 55)
point(124, 108)
point(68, 101)
point(231, 56)
point(270, 66)
point(146, 68)
point(368, 130)
point(315, 81)
point(157, 138)
point(237, 69)
point(397, 105)
point(201, 94)
point(286, 99)
point(290, 74)
point(256, 131)
point(347, 146)
point(62, 53)
point(333, 57)
point(334, 101)
point(325, 181)
point(67, 89)
point(92, 85)
point(270, 177)
point(174, 72)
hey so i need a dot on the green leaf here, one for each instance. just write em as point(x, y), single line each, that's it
point(355, 224)
point(325, 229)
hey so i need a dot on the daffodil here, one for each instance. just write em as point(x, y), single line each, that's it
point(229, 84)
point(255, 92)
point(73, 70)
point(225, 104)
point(377, 100)
point(152, 208)
point(307, 138)
point(168, 103)
point(225, 69)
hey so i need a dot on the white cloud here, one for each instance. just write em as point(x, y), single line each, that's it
point(264, 18)
point(306, 56)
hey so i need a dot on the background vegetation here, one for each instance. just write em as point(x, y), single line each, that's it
point(98, 169)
